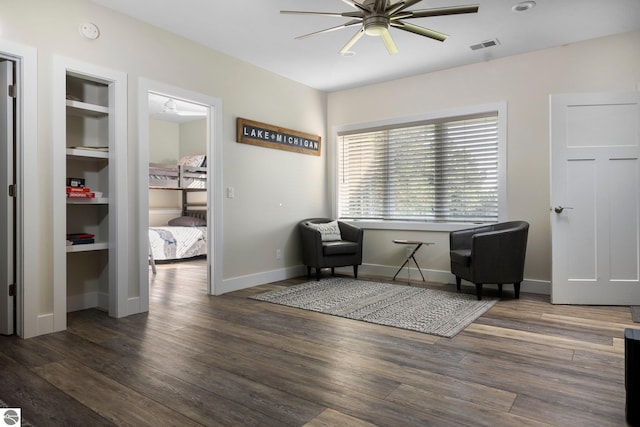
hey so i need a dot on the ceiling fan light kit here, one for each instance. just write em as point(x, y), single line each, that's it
point(375, 17)
point(170, 107)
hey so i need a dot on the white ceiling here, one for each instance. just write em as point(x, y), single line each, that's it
point(256, 32)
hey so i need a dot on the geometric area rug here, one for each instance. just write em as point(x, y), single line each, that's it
point(430, 311)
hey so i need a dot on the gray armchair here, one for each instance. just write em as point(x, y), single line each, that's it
point(490, 254)
point(321, 254)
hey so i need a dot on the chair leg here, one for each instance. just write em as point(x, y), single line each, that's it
point(308, 272)
point(355, 271)
point(479, 291)
point(516, 288)
point(458, 282)
point(318, 274)
point(333, 271)
point(500, 290)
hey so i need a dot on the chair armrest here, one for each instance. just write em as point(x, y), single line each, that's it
point(461, 239)
point(311, 242)
point(350, 232)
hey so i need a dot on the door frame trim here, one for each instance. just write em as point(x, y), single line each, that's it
point(214, 185)
point(27, 238)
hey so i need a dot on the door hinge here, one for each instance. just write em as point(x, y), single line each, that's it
point(12, 290)
point(13, 91)
point(13, 190)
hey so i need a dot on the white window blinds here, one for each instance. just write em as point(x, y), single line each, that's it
point(438, 171)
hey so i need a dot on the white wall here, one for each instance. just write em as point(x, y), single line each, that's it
point(525, 83)
point(273, 189)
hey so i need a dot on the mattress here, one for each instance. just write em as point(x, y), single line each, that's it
point(170, 243)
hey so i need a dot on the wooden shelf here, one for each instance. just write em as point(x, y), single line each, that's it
point(87, 153)
point(99, 246)
point(84, 109)
point(94, 201)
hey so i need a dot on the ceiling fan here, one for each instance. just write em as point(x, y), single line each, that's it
point(376, 16)
point(170, 107)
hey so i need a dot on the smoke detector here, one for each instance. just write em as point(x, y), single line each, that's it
point(523, 6)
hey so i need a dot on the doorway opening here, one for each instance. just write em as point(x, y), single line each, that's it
point(192, 188)
point(177, 182)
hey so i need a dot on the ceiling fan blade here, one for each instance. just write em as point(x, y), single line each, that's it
point(379, 5)
point(401, 5)
point(356, 5)
point(421, 31)
point(441, 11)
point(327, 30)
point(388, 42)
point(339, 15)
point(347, 47)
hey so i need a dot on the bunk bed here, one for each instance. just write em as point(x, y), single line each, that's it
point(185, 236)
point(179, 176)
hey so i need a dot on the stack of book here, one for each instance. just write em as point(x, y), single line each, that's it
point(80, 193)
point(80, 238)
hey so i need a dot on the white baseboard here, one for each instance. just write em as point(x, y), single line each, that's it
point(244, 282)
point(103, 301)
point(133, 306)
point(82, 301)
point(44, 325)
point(528, 285)
point(437, 276)
point(99, 300)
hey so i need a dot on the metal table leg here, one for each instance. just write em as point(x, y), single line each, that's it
point(411, 256)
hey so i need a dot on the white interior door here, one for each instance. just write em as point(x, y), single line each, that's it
point(6, 202)
point(595, 198)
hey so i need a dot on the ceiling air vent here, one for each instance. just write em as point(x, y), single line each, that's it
point(485, 44)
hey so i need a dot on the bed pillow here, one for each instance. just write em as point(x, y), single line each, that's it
point(329, 231)
point(195, 160)
point(187, 221)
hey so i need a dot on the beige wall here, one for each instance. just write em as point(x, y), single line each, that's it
point(525, 83)
point(273, 189)
point(164, 142)
point(193, 137)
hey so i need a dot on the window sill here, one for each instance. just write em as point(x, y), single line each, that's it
point(412, 226)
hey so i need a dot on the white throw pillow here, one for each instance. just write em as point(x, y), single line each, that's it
point(329, 231)
point(195, 160)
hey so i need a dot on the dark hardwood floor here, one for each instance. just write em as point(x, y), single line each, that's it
point(195, 359)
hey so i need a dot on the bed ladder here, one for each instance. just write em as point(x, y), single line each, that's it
point(152, 262)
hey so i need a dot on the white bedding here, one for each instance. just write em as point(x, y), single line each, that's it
point(168, 243)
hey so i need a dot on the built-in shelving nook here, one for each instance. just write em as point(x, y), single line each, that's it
point(89, 191)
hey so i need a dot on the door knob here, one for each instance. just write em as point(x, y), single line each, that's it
point(559, 209)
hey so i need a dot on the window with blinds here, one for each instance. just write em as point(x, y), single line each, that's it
point(443, 170)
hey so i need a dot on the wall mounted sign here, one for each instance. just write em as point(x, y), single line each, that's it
point(264, 135)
